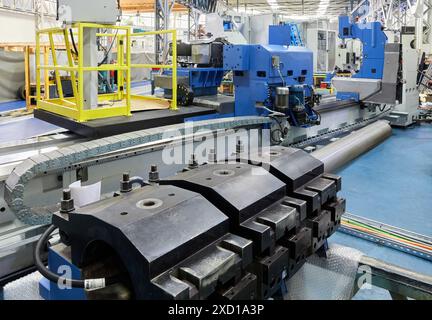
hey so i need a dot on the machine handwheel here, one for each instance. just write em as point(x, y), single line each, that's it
point(185, 95)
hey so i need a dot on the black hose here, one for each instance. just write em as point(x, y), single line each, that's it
point(86, 284)
point(281, 130)
point(73, 42)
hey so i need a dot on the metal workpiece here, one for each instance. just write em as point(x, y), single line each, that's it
point(341, 152)
point(73, 157)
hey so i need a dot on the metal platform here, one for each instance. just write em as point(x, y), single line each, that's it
point(117, 125)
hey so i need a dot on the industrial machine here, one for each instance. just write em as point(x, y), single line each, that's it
point(388, 72)
point(200, 73)
point(378, 79)
point(194, 235)
point(276, 77)
point(279, 73)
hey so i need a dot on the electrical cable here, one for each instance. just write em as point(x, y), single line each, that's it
point(280, 130)
point(109, 50)
point(73, 41)
point(392, 238)
point(386, 234)
point(374, 229)
point(88, 284)
point(280, 74)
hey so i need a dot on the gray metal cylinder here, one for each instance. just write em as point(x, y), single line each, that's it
point(282, 98)
point(339, 153)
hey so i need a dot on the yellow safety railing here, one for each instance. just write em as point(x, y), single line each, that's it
point(172, 66)
point(31, 99)
point(118, 103)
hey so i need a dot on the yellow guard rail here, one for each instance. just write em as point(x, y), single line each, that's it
point(110, 105)
point(172, 66)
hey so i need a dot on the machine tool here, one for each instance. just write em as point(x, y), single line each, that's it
point(228, 229)
point(388, 72)
point(279, 75)
point(273, 78)
point(195, 235)
point(200, 73)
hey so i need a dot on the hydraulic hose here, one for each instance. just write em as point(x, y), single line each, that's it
point(89, 284)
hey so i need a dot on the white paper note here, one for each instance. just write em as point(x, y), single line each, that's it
point(85, 195)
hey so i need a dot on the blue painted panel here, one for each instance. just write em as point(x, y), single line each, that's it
point(280, 35)
point(252, 84)
point(50, 290)
point(12, 105)
point(236, 57)
point(374, 40)
point(202, 81)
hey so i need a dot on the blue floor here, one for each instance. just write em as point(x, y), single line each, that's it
point(392, 184)
point(12, 105)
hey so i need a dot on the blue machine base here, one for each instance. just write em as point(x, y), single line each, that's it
point(49, 290)
point(348, 96)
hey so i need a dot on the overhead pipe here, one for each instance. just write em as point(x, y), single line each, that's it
point(339, 153)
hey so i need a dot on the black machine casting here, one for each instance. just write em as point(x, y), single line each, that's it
point(232, 230)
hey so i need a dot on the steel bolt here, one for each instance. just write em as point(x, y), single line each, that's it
point(125, 185)
point(154, 174)
point(67, 203)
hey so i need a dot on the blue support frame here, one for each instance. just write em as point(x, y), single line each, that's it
point(374, 40)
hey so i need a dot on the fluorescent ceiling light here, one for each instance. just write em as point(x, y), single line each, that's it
point(322, 7)
point(273, 4)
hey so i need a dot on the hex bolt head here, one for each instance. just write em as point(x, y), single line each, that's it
point(67, 194)
point(154, 174)
point(67, 203)
point(125, 185)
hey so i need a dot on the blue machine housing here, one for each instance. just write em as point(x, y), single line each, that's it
point(285, 34)
point(202, 81)
point(255, 73)
point(374, 40)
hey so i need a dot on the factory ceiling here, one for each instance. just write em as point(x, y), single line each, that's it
point(296, 7)
point(311, 8)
